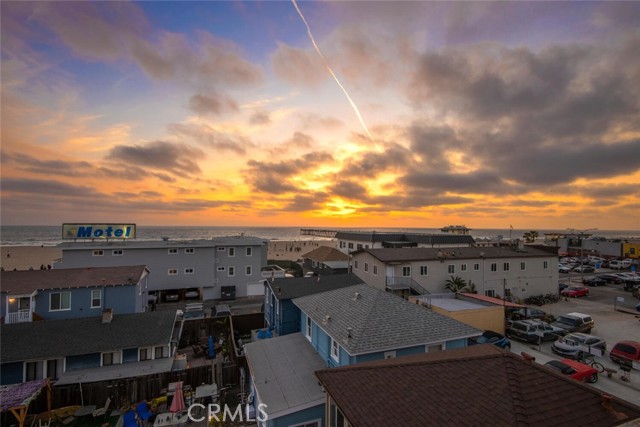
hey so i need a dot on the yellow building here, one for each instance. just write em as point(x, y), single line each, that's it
point(631, 249)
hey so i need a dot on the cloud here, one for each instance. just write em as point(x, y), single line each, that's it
point(211, 138)
point(260, 118)
point(215, 104)
point(47, 188)
point(298, 66)
point(174, 158)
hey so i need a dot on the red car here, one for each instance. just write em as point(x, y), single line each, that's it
point(576, 370)
point(575, 291)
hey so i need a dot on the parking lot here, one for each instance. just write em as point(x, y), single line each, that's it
point(611, 325)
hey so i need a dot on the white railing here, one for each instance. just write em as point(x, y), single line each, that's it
point(21, 316)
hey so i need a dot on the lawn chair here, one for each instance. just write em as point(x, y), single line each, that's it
point(142, 411)
point(103, 410)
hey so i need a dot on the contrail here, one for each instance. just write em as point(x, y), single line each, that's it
point(326, 64)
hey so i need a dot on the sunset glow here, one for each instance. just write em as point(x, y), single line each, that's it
point(403, 114)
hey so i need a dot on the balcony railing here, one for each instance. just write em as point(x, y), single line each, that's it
point(399, 283)
point(21, 316)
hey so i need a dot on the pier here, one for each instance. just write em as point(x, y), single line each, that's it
point(318, 232)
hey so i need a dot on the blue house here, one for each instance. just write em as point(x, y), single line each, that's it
point(72, 293)
point(281, 314)
point(361, 323)
point(284, 389)
point(89, 349)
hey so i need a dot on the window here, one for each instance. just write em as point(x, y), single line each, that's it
point(145, 354)
point(506, 266)
point(494, 266)
point(161, 352)
point(112, 358)
point(54, 368)
point(98, 253)
point(366, 266)
point(188, 271)
point(341, 244)
point(33, 371)
point(434, 347)
point(424, 270)
point(221, 248)
point(490, 292)
point(335, 350)
point(232, 251)
point(173, 271)
point(350, 245)
point(189, 251)
point(60, 301)
point(358, 246)
point(507, 292)
point(117, 252)
point(96, 298)
point(375, 269)
point(463, 267)
point(389, 354)
point(172, 251)
point(232, 271)
point(220, 268)
point(406, 271)
point(545, 265)
point(451, 268)
point(355, 264)
point(523, 265)
point(249, 251)
point(314, 423)
point(308, 330)
point(247, 270)
point(476, 267)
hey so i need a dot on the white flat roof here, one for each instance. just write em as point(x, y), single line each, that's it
point(112, 372)
point(452, 304)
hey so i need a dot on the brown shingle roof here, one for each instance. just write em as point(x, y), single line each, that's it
point(26, 281)
point(474, 386)
point(326, 253)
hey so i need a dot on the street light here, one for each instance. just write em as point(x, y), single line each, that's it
point(582, 233)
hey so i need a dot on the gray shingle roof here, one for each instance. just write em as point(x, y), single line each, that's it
point(326, 253)
point(378, 320)
point(59, 338)
point(294, 287)
point(146, 244)
point(424, 254)
point(429, 239)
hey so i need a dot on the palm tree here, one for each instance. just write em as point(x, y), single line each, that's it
point(455, 284)
point(530, 236)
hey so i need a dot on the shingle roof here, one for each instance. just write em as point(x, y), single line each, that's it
point(326, 253)
point(423, 254)
point(474, 386)
point(26, 281)
point(378, 320)
point(282, 370)
point(59, 338)
point(294, 287)
point(146, 244)
point(429, 239)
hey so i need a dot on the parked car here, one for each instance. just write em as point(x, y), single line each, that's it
point(562, 286)
point(610, 278)
point(152, 298)
point(564, 269)
point(533, 330)
point(575, 291)
point(576, 370)
point(574, 322)
point(171, 297)
point(628, 351)
point(630, 281)
point(594, 281)
point(221, 310)
point(636, 292)
point(574, 345)
point(491, 337)
point(192, 294)
point(584, 269)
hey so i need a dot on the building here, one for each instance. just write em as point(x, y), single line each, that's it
point(89, 349)
point(456, 229)
point(177, 266)
point(281, 314)
point(360, 323)
point(495, 271)
point(631, 249)
point(479, 385)
point(282, 378)
point(29, 295)
point(325, 260)
point(350, 241)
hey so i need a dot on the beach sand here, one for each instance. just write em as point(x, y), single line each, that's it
point(25, 257)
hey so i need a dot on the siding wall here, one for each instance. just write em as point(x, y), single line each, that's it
point(122, 299)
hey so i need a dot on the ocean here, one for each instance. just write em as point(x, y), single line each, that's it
point(20, 235)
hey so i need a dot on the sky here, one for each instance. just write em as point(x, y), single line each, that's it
point(403, 114)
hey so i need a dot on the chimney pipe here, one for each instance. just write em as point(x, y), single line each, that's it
point(107, 315)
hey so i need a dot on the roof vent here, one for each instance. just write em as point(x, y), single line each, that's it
point(357, 296)
point(107, 315)
point(165, 238)
point(349, 332)
point(326, 319)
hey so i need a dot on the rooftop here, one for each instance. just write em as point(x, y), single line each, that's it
point(429, 239)
point(364, 319)
point(294, 287)
point(326, 253)
point(424, 254)
point(479, 385)
point(154, 244)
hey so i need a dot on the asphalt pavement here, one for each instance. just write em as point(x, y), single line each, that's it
point(610, 324)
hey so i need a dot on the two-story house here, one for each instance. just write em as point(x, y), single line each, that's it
point(350, 241)
point(233, 262)
point(90, 349)
point(28, 295)
point(506, 271)
point(281, 314)
point(325, 261)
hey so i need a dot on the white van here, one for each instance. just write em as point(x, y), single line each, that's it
point(617, 264)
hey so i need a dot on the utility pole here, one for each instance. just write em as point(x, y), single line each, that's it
point(582, 233)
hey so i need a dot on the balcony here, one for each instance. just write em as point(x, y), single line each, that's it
point(405, 283)
point(20, 316)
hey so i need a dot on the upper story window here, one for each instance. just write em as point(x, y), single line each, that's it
point(188, 271)
point(161, 352)
point(60, 301)
point(406, 271)
point(189, 251)
point(355, 264)
point(451, 268)
point(98, 252)
point(375, 269)
point(358, 246)
point(494, 266)
point(350, 245)
point(335, 350)
point(221, 248)
point(172, 251)
point(249, 252)
point(490, 293)
point(96, 298)
point(476, 267)
point(523, 265)
point(232, 251)
point(308, 329)
point(173, 271)
point(545, 265)
point(146, 354)
point(111, 358)
point(117, 252)
point(220, 268)
point(424, 270)
point(506, 266)
point(247, 270)
point(232, 271)
point(366, 266)
point(463, 267)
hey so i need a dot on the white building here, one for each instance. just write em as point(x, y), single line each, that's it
point(206, 265)
point(495, 271)
point(349, 241)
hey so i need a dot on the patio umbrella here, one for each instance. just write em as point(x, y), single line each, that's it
point(177, 404)
point(212, 352)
